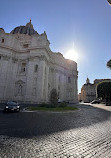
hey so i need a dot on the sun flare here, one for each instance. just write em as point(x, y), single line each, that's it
point(72, 55)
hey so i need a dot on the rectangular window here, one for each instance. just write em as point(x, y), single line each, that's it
point(69, 79)
point(25, 45)
point(2, 40)
point(36, 68)
point(23, 67)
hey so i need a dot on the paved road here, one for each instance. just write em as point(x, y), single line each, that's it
point(102, 106)
point(85, 133)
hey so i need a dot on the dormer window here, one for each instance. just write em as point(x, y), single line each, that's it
point(25, 45)
point(2, 40)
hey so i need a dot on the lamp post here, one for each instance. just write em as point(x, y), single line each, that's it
point(109, 1)
point(109, 62)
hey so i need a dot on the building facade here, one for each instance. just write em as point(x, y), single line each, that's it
point(88, 90)
point(29, 70)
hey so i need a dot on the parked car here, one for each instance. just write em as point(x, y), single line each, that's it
point(108, 103)
point(12, 106)
point(95, 102)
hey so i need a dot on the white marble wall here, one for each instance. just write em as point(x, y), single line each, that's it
point(30, 86)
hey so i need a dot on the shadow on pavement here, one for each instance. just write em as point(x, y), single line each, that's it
point(29, 124)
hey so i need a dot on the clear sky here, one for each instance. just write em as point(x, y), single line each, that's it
point(82, 25)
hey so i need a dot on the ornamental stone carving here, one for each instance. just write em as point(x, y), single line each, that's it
point(5, 57)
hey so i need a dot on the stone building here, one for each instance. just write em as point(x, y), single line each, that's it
point(29, 70)
point(88, 90)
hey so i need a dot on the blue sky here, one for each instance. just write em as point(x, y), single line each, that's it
point(83, 25)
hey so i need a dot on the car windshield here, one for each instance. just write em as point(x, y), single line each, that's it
point(12, 103)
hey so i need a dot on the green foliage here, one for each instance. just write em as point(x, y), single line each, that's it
point(104, 90)
point(109, 64)
point(43, 105)
point(53, 97)
point(63, 104)
point(34, 108)
point(46, 105)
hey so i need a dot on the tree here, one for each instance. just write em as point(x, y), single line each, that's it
point(54, 97)
point(109, 64)
point(104, 90)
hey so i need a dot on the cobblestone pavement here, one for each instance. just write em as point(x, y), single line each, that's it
point(102, 106)
point(85, 133)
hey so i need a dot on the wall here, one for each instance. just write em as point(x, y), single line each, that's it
point(19, 54)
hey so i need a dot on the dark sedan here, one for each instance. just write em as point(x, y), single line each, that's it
point(12, 106)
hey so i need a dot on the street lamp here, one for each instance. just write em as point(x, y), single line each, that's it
point(109, 1)
point(109, 62)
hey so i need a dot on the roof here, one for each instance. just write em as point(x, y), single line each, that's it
point(28, 29)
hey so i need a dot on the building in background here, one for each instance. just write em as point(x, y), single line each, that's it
point(29, 70)
point(88, 90)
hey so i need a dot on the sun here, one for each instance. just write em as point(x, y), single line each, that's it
point(72, 55)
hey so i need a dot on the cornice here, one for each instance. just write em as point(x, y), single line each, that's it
point(23, 51)
point(42, 57)
point(67, 69)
